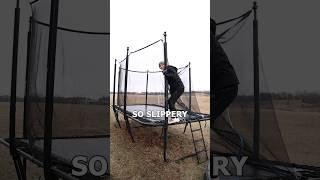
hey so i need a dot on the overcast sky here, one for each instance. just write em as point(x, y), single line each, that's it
point(81, 66)
point(289, 40)
point(289, 37)
point(139, 22)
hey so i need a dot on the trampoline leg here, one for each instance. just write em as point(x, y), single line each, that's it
point(185, 128)
point(165, 144)
point(129, 128)
point(161, 132)
point(24, 163)
point(116, 114)
point(19, 167)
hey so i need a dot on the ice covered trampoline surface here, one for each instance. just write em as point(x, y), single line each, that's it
point(159, 120)
point(67, 149)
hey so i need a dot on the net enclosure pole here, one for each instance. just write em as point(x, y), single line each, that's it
point(13, 96)
point(27, 81)
point(146, 98)
point(118, 96)
point(165, 127)
point(114, 84)
point(26, 90)
point(54, 11)
point(125, 96)
point(114, 92)
point(256, 123)
point(119, 79)
point(190, 94)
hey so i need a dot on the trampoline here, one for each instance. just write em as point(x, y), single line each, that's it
point(65, 96)
point(64, 151)
point(159, 121)
point(140, 87)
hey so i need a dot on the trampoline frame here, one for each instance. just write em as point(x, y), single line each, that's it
point(21, 153)
point(118, 109)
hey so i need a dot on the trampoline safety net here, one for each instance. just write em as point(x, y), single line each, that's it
point(271, 151)
point(145, 85)
point(81, 71)
point(236, 38)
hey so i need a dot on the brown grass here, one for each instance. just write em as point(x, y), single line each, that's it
point(144, 158)
point(7, 170)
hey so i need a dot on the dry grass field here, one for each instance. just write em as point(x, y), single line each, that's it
point(144, 158)
point(299, 124)
point(7, 170)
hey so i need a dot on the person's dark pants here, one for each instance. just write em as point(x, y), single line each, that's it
point(174, 96)
point(221, 100)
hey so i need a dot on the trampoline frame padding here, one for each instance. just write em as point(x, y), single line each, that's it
point(64, 150)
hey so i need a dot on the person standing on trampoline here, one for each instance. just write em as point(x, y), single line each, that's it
point(224, 86)
point(176, 87)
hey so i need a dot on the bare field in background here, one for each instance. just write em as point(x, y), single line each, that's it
point(7, 170)
point(299, 124)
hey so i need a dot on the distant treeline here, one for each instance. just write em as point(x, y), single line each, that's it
point(65, 100)
point(158, 93)
point(7, 99)
point(305, 97)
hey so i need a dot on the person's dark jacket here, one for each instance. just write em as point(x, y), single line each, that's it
point(172, 76)
point(223, 74)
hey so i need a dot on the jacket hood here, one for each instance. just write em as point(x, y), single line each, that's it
point(172, 67)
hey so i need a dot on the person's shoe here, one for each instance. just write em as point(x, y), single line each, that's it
point(173, 120)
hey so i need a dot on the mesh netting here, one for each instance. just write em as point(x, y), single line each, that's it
point(81, 82)
point(237, 122)
point(145, 84)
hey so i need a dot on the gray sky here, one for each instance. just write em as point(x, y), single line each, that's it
point(289, 37)
point(81, 65)
point(289, 40)
point(139, 22)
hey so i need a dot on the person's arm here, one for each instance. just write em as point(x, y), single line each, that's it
point(169, 72)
